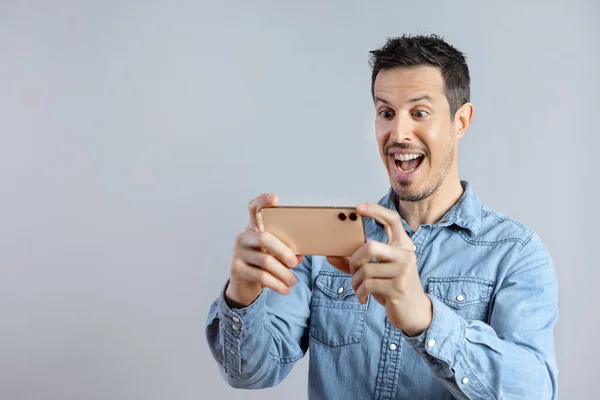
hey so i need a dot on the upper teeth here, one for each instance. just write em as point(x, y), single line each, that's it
point(406, 157)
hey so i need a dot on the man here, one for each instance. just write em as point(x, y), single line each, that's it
point(447, 299)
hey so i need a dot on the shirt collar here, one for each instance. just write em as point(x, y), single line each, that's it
point(467, 213)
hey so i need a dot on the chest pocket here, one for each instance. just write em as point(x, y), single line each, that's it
point(469, 297)
point(337, 318)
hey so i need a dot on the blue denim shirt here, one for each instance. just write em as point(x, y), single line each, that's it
point(495, 304)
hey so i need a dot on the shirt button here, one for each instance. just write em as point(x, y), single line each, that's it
point(235, 327)
point(465, 380)
point(431, 343)
point(460, 298)
point(341, 290)
point(393, 347)
point(236, 319)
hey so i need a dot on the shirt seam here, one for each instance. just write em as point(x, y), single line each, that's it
point(491, 243)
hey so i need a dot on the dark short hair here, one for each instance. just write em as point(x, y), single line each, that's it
point(413, 51)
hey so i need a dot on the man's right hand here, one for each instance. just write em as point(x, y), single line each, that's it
point(259, 260)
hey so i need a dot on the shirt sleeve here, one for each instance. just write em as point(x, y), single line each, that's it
point(257, 346)
point(513, 356)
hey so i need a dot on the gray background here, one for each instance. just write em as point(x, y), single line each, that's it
point(133, 135)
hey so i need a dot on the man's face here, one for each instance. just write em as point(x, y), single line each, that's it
point(415, 133)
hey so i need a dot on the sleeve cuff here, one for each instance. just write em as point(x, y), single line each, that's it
point(235, 320)
point(439, 344)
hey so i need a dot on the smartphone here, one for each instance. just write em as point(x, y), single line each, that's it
point(312, 230)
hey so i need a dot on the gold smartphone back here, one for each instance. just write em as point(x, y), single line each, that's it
point(328, 231)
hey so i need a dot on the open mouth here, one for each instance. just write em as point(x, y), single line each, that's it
point(407, 163)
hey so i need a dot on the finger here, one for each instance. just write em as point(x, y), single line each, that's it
point(256, 205)
point(375, 271)
point(381, 287)
point(250, 273)
point(271, 245)
point(374, 250)
point(270, 264)
point(391, 221)
point(341, 263)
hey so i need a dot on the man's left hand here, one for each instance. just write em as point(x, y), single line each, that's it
point(393, 279)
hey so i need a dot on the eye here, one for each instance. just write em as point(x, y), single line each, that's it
point(386, 114)
point(420, 114)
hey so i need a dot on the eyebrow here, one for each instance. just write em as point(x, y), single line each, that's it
point(412, 100)
point(419, 98)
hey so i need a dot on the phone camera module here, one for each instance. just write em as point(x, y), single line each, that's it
point(353, 216)
point(342, 216)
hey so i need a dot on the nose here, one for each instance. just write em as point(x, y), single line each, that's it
point(402, 129)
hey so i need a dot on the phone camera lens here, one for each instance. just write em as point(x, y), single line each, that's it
point(342, 216)
point(353, 216)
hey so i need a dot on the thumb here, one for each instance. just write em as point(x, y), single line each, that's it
point(255, 207)
point(341, 263)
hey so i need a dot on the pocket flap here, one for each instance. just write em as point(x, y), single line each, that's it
point(460, 292)
point(336, 286)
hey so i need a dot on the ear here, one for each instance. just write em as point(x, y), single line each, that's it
point(462, 119)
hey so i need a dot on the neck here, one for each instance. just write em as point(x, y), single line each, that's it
point(434, 207)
